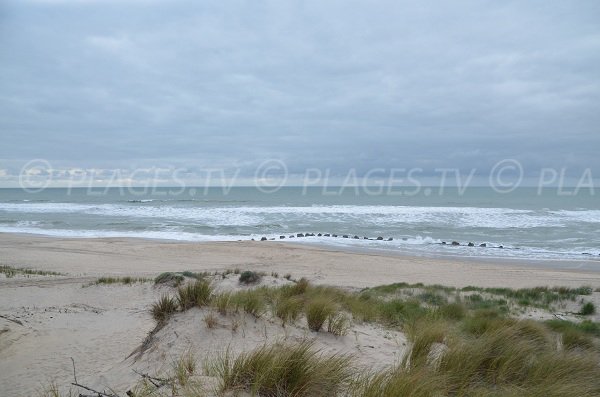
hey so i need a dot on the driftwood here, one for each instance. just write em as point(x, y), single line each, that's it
point(156, 382)
point(96, 392)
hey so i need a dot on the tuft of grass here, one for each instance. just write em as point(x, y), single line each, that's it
point(249, 277)
point(300, 286)
point(284, 370)
point(223, 303)
point(164, 308)
point(317, 311)
point(288, 308)
point(288, 276)
point(211, 321)
point(398, 382)
point(251, 301)
point(338, 324)
point(169, 278)
point(588, 309)
point(198, 294)
point(184, 368)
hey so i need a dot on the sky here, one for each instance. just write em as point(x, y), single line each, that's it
point(332, 85)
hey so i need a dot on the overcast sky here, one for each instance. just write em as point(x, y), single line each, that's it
point(330, 84)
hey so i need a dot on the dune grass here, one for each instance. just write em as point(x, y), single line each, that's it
point(127, 280)
point(197, 294)
point(10, 271)
point(317, 311)
point(283, 370)
point(164, 308)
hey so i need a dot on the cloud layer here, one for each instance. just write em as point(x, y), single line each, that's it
point(338, 85)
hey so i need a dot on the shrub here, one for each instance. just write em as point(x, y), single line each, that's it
point(249, 277)
point(587, 309)
point(284, 370)
point(198, 294)
point(318, 311)
point(164, 308)
point(169, 278)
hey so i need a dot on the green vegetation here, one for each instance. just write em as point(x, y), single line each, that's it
point(169, 278)
point(163, 309)
point(197, 294)
point(121, 280)
point(587, 309)
point(249, 277)
point(283, 370)
point(318, 310)
point(10, 271)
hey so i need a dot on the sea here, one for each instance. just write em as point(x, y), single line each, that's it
point(525, 224)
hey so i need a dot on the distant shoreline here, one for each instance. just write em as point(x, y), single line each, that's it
point(332, 265)
point(586, 263)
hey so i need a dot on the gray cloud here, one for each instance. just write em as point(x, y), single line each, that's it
point(339, 85)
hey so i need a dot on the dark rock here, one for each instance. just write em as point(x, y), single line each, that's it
point(471, 245)
point(366, 238)
point(483, 245)
point(334, 235)
point(379, 238)
point(345, 236)
point(263, 239)
point(252, 239)
point(299, 235)
point(585, 253)
point(272, 238)
point(390, 239)
point(356, 237)
point(500, 246)
point(404, 239)
point(292, 236)
point(319, 235)
point(455, 243)
point(281, 237)
point(443, 243)
point(327, 235)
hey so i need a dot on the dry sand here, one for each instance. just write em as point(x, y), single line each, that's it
point(45, 320)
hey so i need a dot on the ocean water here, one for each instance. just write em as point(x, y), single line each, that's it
point(527, 224)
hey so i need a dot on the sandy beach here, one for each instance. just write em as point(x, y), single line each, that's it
point(46, 320)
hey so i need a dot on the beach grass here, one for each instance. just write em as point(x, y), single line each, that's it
point(164, 308)
point(283, 370)
point(127, 280)
point(198, 293)
point(10, 271)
